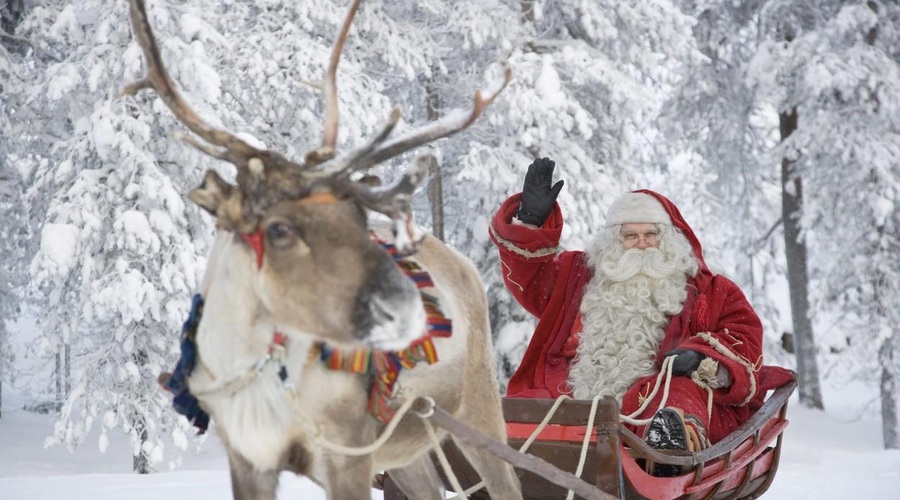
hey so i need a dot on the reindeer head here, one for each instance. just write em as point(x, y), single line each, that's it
point(304, 261)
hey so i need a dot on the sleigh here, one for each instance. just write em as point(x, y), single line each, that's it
point(741, 466)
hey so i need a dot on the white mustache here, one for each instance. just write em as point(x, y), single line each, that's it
point(649, 262)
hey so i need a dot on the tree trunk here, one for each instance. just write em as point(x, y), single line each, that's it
point(62, 373)
point(141, 462)
point(59, 382)
point(436, 197)
point(435, 176)
point(889, 420)
point(528, 11)
point(798, 279)
point(67, 381)
point(890, 429)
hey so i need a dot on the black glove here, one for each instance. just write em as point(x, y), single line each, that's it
point(686, 361)
point(538, 197)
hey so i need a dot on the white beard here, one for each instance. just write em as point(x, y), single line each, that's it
point(625, 310)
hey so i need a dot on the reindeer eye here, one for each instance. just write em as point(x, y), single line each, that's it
point(279, 232)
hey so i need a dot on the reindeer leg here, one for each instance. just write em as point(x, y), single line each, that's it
point(419, 479)
point(486, 415)
point(499, 477)
point(348, 478)
point(247, 483)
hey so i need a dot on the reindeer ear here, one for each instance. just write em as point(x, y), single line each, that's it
point(370, 180)
point(222, 200)
point(212, 193)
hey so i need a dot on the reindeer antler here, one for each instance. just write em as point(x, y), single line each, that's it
point(395, 201)
point(235, 209)
point(329, 136)
point(235, 150)
point(265, 176)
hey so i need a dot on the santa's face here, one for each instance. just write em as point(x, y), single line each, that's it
point(640, 235)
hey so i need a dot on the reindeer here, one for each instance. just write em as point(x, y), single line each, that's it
point(294, 270)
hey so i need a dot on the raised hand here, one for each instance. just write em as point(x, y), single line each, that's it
point(538, 196)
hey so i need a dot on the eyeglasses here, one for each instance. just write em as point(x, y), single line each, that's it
point(651, 236)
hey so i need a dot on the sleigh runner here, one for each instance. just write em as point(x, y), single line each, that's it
point(741, 466)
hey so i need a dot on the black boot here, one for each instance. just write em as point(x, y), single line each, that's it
point(666, 431)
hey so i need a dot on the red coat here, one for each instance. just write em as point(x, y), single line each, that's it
point(716, 320)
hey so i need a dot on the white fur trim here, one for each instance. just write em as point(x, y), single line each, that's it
point(512, 247)
point(637, 208)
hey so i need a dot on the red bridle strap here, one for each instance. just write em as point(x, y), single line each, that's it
point(255, 240)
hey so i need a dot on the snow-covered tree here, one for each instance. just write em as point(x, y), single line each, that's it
point(840, 77)
point(713, 119)
point(9, 288)
point(620, 94)
point(13, 226)
point(13, 277)
point(120, 250)
point(716, 115)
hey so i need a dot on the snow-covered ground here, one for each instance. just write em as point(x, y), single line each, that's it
point(835, 455)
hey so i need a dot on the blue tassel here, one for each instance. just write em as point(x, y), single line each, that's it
point(184, 402)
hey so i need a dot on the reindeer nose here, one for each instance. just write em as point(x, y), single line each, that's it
point(389, 311)
point(380, 312)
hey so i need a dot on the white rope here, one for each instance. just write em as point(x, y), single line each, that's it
point(665, 371)
point(665, 375)
point(238, 383)
point(442, 458)
point(703, 376)
point(231, 386)
point(322, 441)
point(469, 491)
point(544, 423)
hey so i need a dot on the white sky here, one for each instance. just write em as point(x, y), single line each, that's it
point(835, 455)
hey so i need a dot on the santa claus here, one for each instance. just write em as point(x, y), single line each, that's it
point(639, 301)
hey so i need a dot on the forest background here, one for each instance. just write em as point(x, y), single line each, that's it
point(773, 125)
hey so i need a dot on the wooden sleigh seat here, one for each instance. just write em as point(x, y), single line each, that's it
point(741, 466)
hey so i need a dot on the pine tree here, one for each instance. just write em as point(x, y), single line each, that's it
point(719, 115)
point(120, 251)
